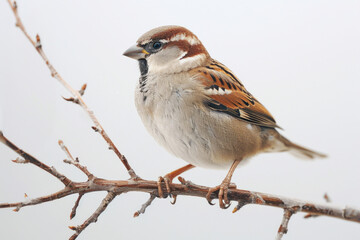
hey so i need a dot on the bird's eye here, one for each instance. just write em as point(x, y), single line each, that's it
point(157, 45)
point(153, 47)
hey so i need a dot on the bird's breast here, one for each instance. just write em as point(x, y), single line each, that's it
point(176, 117)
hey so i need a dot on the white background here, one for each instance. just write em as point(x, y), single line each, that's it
point(301, 59)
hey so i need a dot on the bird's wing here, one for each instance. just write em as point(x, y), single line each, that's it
point(228, 95)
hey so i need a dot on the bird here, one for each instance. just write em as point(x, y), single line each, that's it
point(197, 109)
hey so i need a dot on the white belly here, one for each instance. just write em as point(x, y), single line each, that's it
point(181, 124)
point(175, 130)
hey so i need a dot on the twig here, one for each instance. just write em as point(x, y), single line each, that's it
point(284, 223)
point(76, 94)
point(116, 187)
point(73, 161)
point(189, 189)
point(310, 215)
point(145, 205)
point(93, 218)
point(76, 100)
point(27, 158)
point(73, 210)
point(186, 188)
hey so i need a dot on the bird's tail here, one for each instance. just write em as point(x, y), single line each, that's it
point(299, 151)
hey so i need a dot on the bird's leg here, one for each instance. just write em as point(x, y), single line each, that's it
point(223, 188)
point(167, 179)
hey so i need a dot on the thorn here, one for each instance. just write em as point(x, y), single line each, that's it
point(136, 214)
point(16, 209)
point(38, 42)
point(111, 148)
point(25, 195)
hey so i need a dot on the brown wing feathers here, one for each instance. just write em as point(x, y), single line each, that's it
point(227, 94)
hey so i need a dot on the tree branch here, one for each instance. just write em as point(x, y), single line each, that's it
point(186, 188)
point(30, 159)
point(73, 161)
point(284, 223)
point(76, 94)
point(136, 184)
point(93, 218)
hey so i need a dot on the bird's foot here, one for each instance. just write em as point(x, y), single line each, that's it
point(167, 180)
point(223, 189)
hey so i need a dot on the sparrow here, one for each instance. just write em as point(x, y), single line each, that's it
point(197, 109)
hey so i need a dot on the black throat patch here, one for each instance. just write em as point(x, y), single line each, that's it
point(143, 66)
point(142, 81)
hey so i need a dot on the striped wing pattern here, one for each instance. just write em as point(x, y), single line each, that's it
point(228, 95)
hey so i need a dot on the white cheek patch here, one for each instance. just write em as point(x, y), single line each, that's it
point(182, 36)
point(194, 59)
point(172, 62)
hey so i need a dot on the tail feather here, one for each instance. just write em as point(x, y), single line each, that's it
point(300, 151)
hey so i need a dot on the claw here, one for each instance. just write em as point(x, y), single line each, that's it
point(167, 182)
point(223, 189)
point(208, 195)
point(208, 198)
point(174, 199)
point(168, 178)
point(227, 206)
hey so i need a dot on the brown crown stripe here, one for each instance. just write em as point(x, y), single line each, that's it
point(196, 50)
point(192, 50)
point(171, 32)
point(181, 44)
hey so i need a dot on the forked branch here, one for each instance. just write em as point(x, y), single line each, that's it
point(186, 188)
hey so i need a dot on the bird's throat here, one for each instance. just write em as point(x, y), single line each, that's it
point(143, 67)
point(143, 70)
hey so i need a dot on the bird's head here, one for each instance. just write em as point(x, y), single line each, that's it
point(167, 50)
